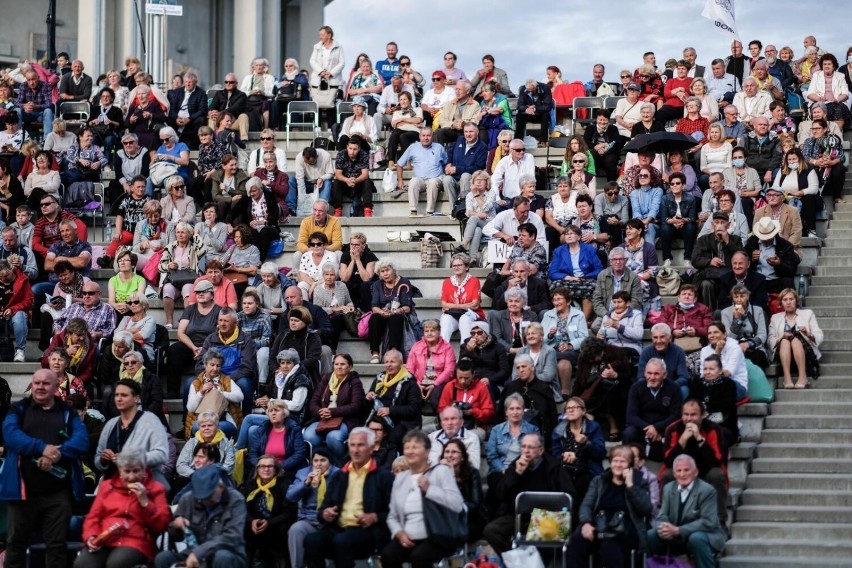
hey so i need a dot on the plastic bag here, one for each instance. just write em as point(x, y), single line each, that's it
point(523, 557)
point(389, 180)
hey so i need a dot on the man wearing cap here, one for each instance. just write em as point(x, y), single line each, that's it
point(354, 511)
point(467, 156)
point(789, 220)
point(224, 293)
point(772, 255)
point(214, 516)
point(490, 360)
point(711, 257)
point(428, 160)
point(535, 102)
point(389, 101)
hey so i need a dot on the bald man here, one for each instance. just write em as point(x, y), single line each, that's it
point(233, 100)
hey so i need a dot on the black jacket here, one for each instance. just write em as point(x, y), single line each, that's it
point(237, 104)
point(404, 401)
point(241, 212)
point(537, 396)
point(554, 477)
point(196, 105)
point(538, 296)
point(785, 251)
point(376, 499)
point(300, 379)
point(638, 500)
point(754, 281)
point(763, 157)
point(307, 344)
point(491, 361)
point(322, 323)
point(705, 250)
point(541, 99)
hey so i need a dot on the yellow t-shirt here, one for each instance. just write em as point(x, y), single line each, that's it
point(353, 503)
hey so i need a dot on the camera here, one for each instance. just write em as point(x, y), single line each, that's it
point(461, 405)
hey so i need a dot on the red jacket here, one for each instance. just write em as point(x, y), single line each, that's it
point(45, 233)
point(698, 317)
point(443, 357)
point(22, 295)
point(482, 407)
point(85, 370)
point(712, 453)
point(116, 504)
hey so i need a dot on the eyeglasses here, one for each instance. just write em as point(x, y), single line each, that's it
point(133, 302)
point(178, 186)
point(377, 430)
point(230, 82)
point(645, 76)
point(612, 193)
point(266, 137)
point(130, 363)
point(436, 79)
point(457, 265)
point(578, 161)
point(317, 244)
point(265, 466)
point(504, 141)
point(89, 293)
point(128, 143)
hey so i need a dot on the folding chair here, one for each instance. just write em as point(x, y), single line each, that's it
point(298, 114)
point(74, 113)
point(525, 502)
point(554, 161)
point(93, 208)
point(161, 345)
point(344, 110)
point(611, 102)
point(582, 112)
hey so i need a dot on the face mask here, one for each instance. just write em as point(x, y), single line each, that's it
point(794, 166)
point(738, 163)
point(685, 306)
point(849, 59)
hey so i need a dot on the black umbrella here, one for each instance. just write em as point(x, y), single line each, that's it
point(661, 142)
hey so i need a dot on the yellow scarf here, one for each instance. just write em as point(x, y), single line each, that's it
point(217, 437)
point(334, 383)
point(137, 376)
point(321, 489)
point(78, 355)
point(231, 339)
point(266, 490)
point(385, 384)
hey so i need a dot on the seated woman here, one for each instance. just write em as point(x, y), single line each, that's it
point(365, 84)
point(718, 394)
point(495, 115)
point(828, 86)
point(394, 398)
point(299, 336)
point(306, 491)
point(406, 123)
point(279, 437)
point(229, 139)
point(107, 120)
point(576, 145)
point(259, 86)
point(566, 329)
point(359, 123)
point(688, 319)
point(57, 361)
point(480, 208)
point(178, 207)
point(460, 299)
point(642, 259)
point(504, 445)
point(134, 500)
point(560, 211)
point(645, 203)
point(619, 493)
point(256, 324)
point(335, 409)
point(824, 152)
point(111, 361)
point(544, 356)
point(715, 154)
point(151, 236)
point(432, 362)
point(41, 181)
point(259, 212)
point(58, 142)
point(332, 296)
point(172, 151)
point(227, 185)
point(575, 266)
point(143, 116)
point(693, 124)
point(78, 343)
point(799, 182)
point(747, 324)
point(500, 151)
point(208, 380)
point(179, 266)
point(212, 232)
point(733, 360)
point(16, 305)
point(358, 270)
point(392, 302)
point(675, 93)
point(141, 325)
point(269, 513)
point(210, 154)
point(271, 291)
point(678, 215)
point(277, 182)
point(208, 434)
point(709, 105)
point(311, 265)
point(581, 178)
point(794, 337)
point(737, 221)
point(779, 122)
point(490, 358)
point(578, 444)
point(743, 180)
point(623, 326)
point(469, 483)
point(677, 164)
point(241, 259)
point(85, 159)
point(290, 383)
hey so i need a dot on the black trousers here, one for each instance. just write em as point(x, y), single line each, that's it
point(49, 514)
point(608, 163)
point(423, 554)
point(402, 139)
point(393, 325)
point(522, 119)
point(343, 546)
point(362, 190)
point(264, 238)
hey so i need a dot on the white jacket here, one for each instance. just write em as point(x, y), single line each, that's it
point(838, 86)
point(268, 84)
point(331, 61)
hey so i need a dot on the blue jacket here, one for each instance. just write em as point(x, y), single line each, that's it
point(592, 453)
point(294, 445)
point(305, 495)
point(472, 161)
point(560, 265)
point(675, 359)
point(498, 444)
point(19, 445)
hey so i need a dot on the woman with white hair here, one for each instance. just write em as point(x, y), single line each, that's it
point(292, 86)
point(179, 266)
point(259, 212)
point(177, 205)
point(140, 324)
point(110, 361)
point(392, 303)
point(332, 295)
point(143, 115)
point(258, 85)
point(152, 234)
point(170, 152)
point(270, 290)
point(150, 389)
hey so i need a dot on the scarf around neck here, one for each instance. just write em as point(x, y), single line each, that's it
point(384, 385)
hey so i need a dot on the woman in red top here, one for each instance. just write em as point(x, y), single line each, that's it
point(128, 514)
point(675, 94)
point(460, 299)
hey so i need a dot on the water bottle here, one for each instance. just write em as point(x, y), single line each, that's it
point(56, 471)
point(189, 538)
point(108, 231)
point(558, 338)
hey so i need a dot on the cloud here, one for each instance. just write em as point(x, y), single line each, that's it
point(526, 37)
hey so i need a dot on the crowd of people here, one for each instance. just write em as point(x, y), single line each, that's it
point(282, 441)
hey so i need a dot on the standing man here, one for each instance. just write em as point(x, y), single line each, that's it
point(188, 110)
point(389, 67)
point(689, 55)
point(428, 160)
point(45, 441)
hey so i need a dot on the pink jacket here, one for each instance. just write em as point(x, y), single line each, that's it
point(443, 358)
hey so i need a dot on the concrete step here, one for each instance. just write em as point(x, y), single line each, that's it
point(793, 531)
point(775, 561)
point(801, 436)
point(809, 421)
point(811, 450)
point(803, 515)
point(819, 290)
point(800, 465)
point(832, 299)
point(815, 550)
point(842, 271)
point(800, 481)
point(806, 407)
point(829, 309)
point(812, 395)
point(809, 498)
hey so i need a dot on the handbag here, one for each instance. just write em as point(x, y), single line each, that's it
point(329, 424)
point(350, 322)
point(160, 171)
point(179, 278)
point(549, 526)
point(213, 401)
point(492, 282)
point(151, 270)
point(276, 249)
point(236, 277)
point(715, 273)
point(460, 209)
point(668, 561)
point(430, 251)
point(443, 524)
point(364, 325)
point(687, 343)
point(668, 279)
point(324, 97)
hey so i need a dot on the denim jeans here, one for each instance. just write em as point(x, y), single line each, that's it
point(293, 194)
point(45, 116)
point(20, 327)
point(250, 421)
point(334, 440)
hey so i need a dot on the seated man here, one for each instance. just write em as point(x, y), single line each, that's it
point(314, 172)
point(766, 82)
point(789, 220)
point(428, 160)
point(455, 113)
point(505, 225)
point(615, 277)
point(538, 297)
point(319, 221)
point(605, 142)
point(772, 256)
point(507, 175)
point(763, 149)
point(533, 470)
point(779, 68)
point(662, 347)
point(734, 129)
point(35, 102)
point(688, 520)
point(535, 102)
point(99, 316)
point(75, 86)
point(468, 155)
point(740, 275)
point(352, 178)
point(489, 358)
point(470, 395)
point(389, 102)
point(652, 405)
point(538, 395)
point(352, 514)
point(711, 257)
point(233, 100)
point(19, 255)
point(710, 198)
point(216, 514)
point(452, 428)
point(751, 102)
point(188, 110)
point(721, 85)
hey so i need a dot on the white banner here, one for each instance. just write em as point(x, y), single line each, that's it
point(722, 14)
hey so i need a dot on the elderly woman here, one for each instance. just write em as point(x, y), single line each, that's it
point(576, 266)
point(507, 325)
point(367, 85)
point(121, 93)
point(41, 181)
point(259, 85)
point(495, 116)
point(565, 328)
point(111, 360)
point(544, 356)
point(59, 141)
point(823, 151)
point(335, 408)
point(280, 437)
point(819, 111)
point(151, 236)
point(406, 123)
point(303, 340)
point(276, 182)
point(628, 110)
point(410, 539)
point(179, 266)
point(256, 324)
point(271, 291)
point(132, 500)
point(212, 379)
point(107, 120)
point(480, 208)
point(151, 391)
point(212, 232)
point(693, 123)
point(500, 151)
point(623, 326)
point(391, 304)
point(578, 444)
point(709, 106)
point(432, 362)
point(208, 433)
point(504, 441)
point(359, 123)
point(69, 384)
point(78, 343)
point(828, 86)
point(621, 492)
point(130, 162)
point(737, 221)
point(143, 117)
point(141, 325)
point(85, 159)
point(358, 270)
point(311, 265)
point(394, 399)
point(800, 184)
point(651, 85)
point(177, 205)
point(332, 295)
point(228, 185)
point(171, 152)
point(210, 152)
point(560, 211)
point(259, 212)
point(307, 491)
point(292, 86)
point(794, 337)
point(269, 513)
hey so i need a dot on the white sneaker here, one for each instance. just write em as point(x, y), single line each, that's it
point(667, 263)
point(19, 356)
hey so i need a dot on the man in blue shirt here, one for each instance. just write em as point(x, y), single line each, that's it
point(467, 156)
point(428, 161)
point(389, 67)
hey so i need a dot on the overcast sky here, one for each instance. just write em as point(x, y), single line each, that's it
point(528, 35)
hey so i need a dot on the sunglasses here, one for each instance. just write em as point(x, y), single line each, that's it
point(612, 193)
point(436, 79)
point(266, 138)
point(317, 244)
point(130, 363)
point(164, 139)
point(519, 150)
point(87, 293)
point(230, 82)
point(178, 186)
point(645, 76)
point(46, 204)
point(133, 303)
point(644, 175)
point(406, 64)
point(675, 183)
point(128, 143)
point(578, 161)
point(625, 76)
point(477, 332)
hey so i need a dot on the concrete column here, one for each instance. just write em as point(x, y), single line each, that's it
point(91, 35)
point(248, 37)
point(272, 36)
point(311, 19)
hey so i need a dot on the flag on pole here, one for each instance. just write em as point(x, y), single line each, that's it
point(722, 14)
